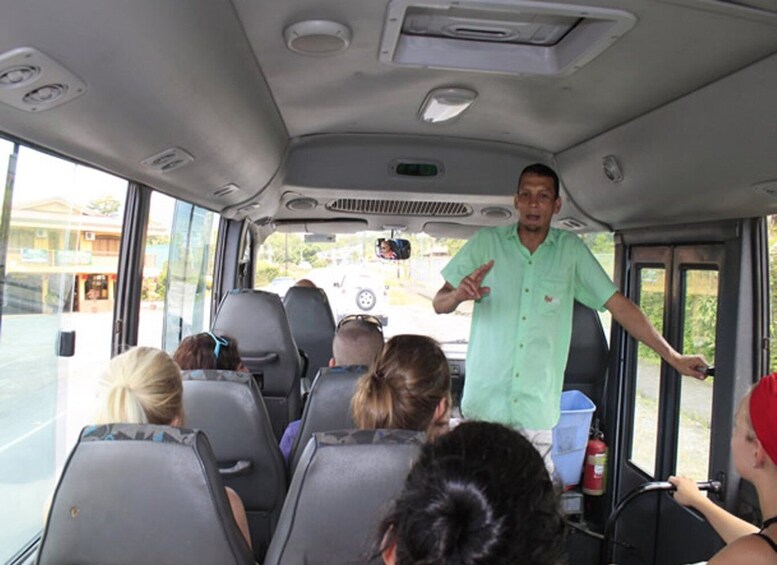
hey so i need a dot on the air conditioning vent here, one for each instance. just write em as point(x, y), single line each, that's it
point(41, 233)
point(572, 224)
point(167, 160)
point(400, 208)
point(516, 37)
point(89, 235)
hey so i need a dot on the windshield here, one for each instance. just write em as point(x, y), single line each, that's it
point(357, 282)
point(398, 292)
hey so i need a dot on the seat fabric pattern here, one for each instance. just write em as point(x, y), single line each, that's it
point(134, 494)
point(229, 408)
point(328, 406)
point(343, 486)
point(257, 320)
point(312, 325)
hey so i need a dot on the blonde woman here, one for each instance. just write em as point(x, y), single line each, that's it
point(408, 387)
point(143, 386)
point(754, 449)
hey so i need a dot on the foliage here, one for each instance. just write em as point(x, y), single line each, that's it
point(265, 272)
point(601, 242)
point(105, 205)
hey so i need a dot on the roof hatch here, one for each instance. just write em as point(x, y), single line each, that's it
point(516, 37)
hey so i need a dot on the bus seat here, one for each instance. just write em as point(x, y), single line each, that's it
point(229, 408)
point(312, 325)
point(257, 320)
point(588, 355)
point(344, 483)
point(328, 406)
point(141, 494)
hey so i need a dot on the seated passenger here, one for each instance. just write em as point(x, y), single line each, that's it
point(143, 386)
point(307, 283)
point(207, 350)
point(408, 387)
point(754, 449)
point(357, 343)
point(479, 495)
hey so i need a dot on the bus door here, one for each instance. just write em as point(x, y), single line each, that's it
point(665, 422)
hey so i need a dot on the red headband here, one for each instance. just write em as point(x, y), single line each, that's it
point(763, 413)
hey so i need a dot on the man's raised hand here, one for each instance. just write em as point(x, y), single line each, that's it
point(470, 286)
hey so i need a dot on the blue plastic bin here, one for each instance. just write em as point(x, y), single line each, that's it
point(570, 436)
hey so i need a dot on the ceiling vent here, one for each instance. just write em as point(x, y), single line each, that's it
point(400, 208)
point(572, 224)
point(226, 190)
point(301, 204)
point(522, 37)
point(33, 82)
point(168, 160)
point(769, 188)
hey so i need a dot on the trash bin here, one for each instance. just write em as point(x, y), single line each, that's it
point(570, 436)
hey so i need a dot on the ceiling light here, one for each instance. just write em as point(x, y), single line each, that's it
point(446, 104)
point(496, 213)
point(612, 169)
point(317, 37)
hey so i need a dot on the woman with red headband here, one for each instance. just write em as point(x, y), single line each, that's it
point(754, 448)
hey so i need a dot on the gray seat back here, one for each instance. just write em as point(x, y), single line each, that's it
point(257, 320)
point(228, 406)
point(312, 325)
point(328, 406)
point(134, 494)
point(588, 355)
point(344, 483)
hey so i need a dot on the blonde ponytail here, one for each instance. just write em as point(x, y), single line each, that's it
point(140, 386)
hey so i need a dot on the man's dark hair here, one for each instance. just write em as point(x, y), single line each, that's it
point(541, 171)
point(479, 495)
point(199, 352)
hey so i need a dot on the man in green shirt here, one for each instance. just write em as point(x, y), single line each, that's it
point(522, 320)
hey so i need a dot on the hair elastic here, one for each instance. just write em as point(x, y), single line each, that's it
point(219, 342)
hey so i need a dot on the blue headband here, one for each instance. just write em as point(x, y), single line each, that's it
point(219, 342)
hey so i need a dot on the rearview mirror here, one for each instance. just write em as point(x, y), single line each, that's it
point(392, 249)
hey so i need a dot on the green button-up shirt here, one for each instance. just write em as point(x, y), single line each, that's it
point(520, 333)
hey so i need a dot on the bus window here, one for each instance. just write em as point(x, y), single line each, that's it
point(177, 272)
point(652, 289)
point(700, 316)
point(63, 223)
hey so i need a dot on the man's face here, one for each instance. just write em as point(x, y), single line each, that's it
point(536, 202)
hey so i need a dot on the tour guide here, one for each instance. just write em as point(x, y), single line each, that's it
point(523, 280)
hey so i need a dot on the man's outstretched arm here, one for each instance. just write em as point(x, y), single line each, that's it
point(634, 321)
point(448, 298)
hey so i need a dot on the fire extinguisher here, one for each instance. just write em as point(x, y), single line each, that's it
point(595, 469)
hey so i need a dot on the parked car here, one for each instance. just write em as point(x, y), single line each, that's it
point(362, 293)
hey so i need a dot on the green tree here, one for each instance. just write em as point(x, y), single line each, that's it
point(105, 205)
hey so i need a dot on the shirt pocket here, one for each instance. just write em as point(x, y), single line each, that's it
point(553, 293)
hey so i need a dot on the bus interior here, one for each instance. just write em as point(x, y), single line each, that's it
point(158, 155)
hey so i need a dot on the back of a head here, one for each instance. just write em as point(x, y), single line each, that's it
point(762, 414)
point(357, 343)
point(404, 387)
point(477, 495)
point(140, 386)
point(207, 350)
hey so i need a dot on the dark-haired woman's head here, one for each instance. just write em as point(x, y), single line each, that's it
point(408, 388)
point(477, 495)
point(207, 350)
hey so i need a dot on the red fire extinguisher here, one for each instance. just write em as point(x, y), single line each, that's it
point(595, 468)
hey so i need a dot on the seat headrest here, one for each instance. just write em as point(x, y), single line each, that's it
point(328, 406)
point(343, 484)
point(141, 494)
point(257, 320)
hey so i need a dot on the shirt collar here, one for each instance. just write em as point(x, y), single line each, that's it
point(550, 239)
